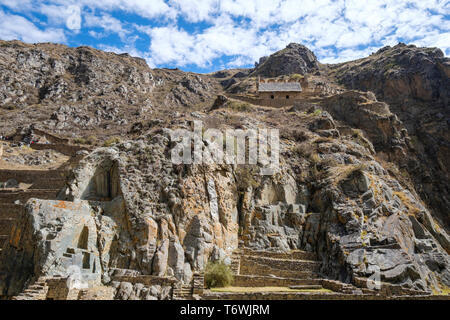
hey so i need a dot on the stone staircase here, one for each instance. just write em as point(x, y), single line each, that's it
point(298, 265)
point(291, 275)
point(295, 270)
point(183, 292)
point(36, 291)
point(190, 291)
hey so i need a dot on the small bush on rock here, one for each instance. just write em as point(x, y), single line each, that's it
point(218, 274)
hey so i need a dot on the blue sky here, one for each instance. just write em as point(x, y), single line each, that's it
point(209, 35)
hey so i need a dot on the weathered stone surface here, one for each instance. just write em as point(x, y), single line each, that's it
point(49, 239)
point(295, 58)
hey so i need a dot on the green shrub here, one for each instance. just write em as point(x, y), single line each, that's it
point(240, 106)
point(218, 274)
point(91, 140)
point(296, 77)
point(79, 141)
point(112, 141)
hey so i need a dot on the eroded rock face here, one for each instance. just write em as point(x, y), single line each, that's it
point(75, 90)
point(403, 72)
point(415, 82)
point(295, 58)
point(158, 218)
point(176, 217)
point(52, 238)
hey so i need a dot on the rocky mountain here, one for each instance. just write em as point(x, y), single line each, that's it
point(294, 59)
point(416, 84)
point(362, 185)
point(82, 92)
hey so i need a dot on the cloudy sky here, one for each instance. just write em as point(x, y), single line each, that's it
point(208, 35)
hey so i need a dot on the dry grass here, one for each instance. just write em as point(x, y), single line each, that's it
point(343, 172)
point(443, 291)
point(412, 209)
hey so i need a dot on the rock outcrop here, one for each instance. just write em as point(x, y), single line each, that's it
point(415, 82)
point(295, 58)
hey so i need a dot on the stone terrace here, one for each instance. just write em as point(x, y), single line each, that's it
point(41, 184)
point(266, 273)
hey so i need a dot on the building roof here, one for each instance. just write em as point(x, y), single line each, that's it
point(279, 86)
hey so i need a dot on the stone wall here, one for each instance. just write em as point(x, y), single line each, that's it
point(50, 137)
point(58, 290)
point(267, 101)
point(249, 262)
point(10, 196)
point(148, 280)
point(66, 149)
point(294, 254)
point(31, 176)
point(259, 269)
point(387, 289)
point(264, 281)
point(312, 296)
point(198, 283)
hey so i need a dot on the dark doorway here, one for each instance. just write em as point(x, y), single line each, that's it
point(84, 237)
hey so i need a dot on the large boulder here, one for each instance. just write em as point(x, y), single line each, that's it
point(51, 238)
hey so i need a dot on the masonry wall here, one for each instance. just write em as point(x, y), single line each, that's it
point(262, 281)
point(267, 101)
point(66, 149)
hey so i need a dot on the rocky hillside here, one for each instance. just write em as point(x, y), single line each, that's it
point(416, 84)
point(83, 92)
point(363, 181)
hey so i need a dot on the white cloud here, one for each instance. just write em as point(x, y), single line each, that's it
point(144, 8)
point(107, 23)
point(14, 27)
point(244, 30)
point(195, 11)
point(69, 15)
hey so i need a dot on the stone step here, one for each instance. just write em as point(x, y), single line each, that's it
point(36, 287)
point(10, 196)
point(31, 295)
point(292, 255)
point(31, 176)
point(48, 183)
point(266, 281)
point(306, 287)
point(285, 296)
point(285, 268)
point(32, 291)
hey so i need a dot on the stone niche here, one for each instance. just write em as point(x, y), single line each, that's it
point(104, 184)
point(96, 179)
